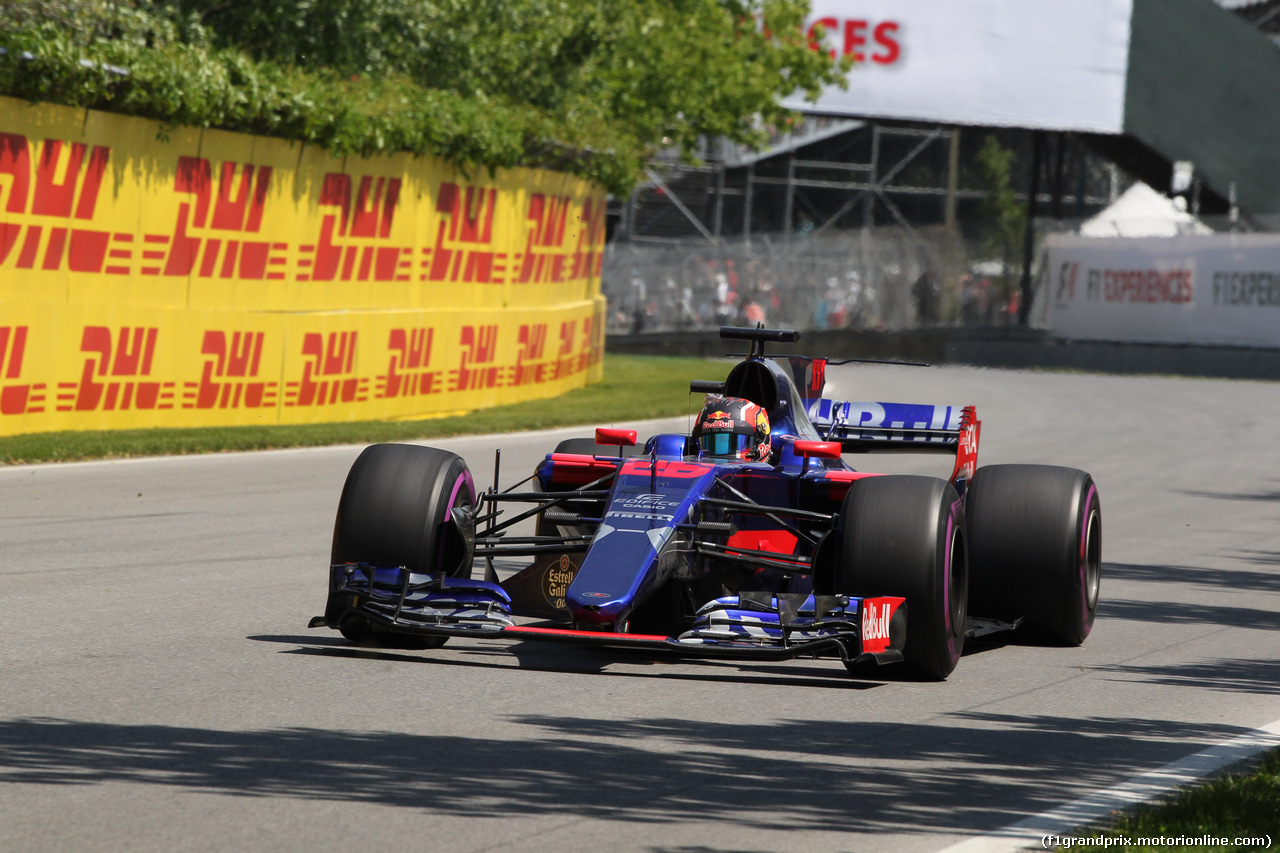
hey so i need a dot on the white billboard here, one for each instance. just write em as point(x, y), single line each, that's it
point(1211, 289)
point(1054, 64)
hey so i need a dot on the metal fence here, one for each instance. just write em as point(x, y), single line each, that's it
point(883, 278)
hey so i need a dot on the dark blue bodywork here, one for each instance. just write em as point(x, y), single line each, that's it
point(693, 555)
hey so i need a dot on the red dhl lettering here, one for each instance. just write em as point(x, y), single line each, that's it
point(222, 381)
point(533, 341)
point(64, 180)
point(129, 354)
point(17, 399)
point(238, 207)
point(548, 215)
point(406, 375)
point(369, 217)
point(66, 186)
point(334, 360)
point(479, 347)
point(469, 213)
point(466, 217)
point(588, 258)
point(566, 336)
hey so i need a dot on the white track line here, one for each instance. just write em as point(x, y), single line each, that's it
point(1030, 833)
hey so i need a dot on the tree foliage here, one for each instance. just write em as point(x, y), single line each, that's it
point(589, 86)
point(1000, 204)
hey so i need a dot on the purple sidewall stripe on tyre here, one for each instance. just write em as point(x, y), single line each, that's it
point(465, 478)
point(1084, 557)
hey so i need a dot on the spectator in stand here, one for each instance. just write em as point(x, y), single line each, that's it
point(925, 293)
point(968, 301)
point(986, 300)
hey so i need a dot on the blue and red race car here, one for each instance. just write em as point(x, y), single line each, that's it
point(684, 551)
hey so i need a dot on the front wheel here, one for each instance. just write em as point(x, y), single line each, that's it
point(395, 510)
point(905, 536)
point(1036, 549)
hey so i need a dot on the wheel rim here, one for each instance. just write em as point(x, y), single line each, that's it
point(459, 496)
point(956, 583)
point(1092, 560)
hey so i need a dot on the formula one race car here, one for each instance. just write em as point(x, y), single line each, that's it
point(749, 539)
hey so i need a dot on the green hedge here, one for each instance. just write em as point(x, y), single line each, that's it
point(591, 87)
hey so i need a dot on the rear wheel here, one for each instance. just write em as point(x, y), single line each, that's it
point(1036, 548)
point(589, 446)
point(905, 536)
point(395, 510)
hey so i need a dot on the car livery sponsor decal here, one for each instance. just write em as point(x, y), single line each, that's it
point(556, 579)
point(639, 466)
point(967, 448)
point(877, 613)
point(646, 501)
point(648, 516)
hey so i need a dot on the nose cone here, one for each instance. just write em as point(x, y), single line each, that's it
point(617, 572)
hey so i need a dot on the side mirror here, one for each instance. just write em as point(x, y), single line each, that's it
point(817, 449)
point(620, 437)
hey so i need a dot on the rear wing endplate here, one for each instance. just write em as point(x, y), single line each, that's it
point(902, 428)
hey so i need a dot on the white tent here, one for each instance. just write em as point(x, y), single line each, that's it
point(1143, 212)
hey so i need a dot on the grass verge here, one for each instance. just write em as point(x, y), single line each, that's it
point(1233, 808)
point(633, 388)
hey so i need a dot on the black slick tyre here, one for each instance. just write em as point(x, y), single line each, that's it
point(905, 536)
point(395, 511)
point(589, 446)
point(586, 447)
point(1035, 547)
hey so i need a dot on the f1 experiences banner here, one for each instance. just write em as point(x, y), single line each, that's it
point(203, 277)
point(1210, 289)
point(1056, 64)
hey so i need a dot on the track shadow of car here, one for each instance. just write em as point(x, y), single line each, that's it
point(554, 657)
point(1273, 495)
point(965, 772)
point(1250, 675)
point(598, 665)
point(1189, 613)
point(1200, 576)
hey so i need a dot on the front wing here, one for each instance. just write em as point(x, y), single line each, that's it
point(754, 626)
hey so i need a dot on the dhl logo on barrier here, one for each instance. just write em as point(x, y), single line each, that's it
point(178, 370)
point(276, 217)
point(17, 398)
point(67, 181)
point(116, 372)
point(229, 378)
point(545, 257)
point(216, 278)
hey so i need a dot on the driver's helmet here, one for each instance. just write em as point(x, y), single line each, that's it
point(733, 428)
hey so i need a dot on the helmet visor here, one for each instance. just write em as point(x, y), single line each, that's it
point(727, 444)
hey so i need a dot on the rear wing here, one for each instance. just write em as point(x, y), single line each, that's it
point(902, 428)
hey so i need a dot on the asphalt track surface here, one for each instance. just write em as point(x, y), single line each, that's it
point(159, 690)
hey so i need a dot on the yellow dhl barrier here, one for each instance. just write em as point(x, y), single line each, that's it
point(181, 277)
point(94, 209)
point(106, 368)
